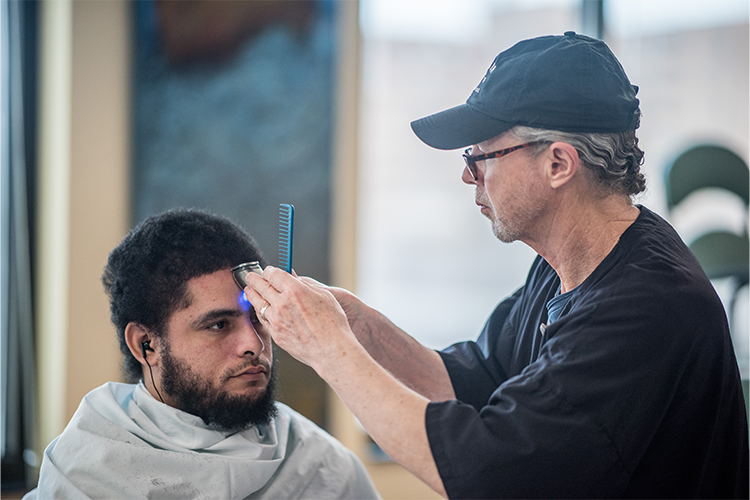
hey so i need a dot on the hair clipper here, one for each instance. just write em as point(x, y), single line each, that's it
point(239, 272)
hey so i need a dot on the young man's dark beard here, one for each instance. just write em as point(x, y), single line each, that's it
point(216, 408)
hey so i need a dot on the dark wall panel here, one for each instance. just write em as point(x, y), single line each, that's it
point(233, 113)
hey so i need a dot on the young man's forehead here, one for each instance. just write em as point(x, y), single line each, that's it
point(199, 288)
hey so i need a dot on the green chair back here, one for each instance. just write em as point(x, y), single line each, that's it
point(723, 254)
point(706, 167)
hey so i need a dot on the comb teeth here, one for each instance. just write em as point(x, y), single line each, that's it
point(286, 240)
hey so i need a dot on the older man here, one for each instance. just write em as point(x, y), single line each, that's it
point(609, 373)
point(202, 422)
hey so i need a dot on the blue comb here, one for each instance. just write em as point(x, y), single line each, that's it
point(286, 230)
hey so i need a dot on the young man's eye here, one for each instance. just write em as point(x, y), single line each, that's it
point(219, 325)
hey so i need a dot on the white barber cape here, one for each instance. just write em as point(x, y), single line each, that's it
point(123, 443)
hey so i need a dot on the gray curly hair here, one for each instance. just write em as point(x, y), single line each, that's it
point(614, 160)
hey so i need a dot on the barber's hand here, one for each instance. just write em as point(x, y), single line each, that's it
point(304, 319)
point(353, 307)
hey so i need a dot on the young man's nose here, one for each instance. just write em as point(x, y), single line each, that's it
point(250, 343)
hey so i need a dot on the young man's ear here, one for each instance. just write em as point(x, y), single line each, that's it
point(562, 165)
point(139, 342)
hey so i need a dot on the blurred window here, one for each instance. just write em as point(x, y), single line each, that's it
point(426, 257)
point(17, 109)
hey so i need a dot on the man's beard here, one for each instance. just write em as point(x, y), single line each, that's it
point(504, 232)
point(510, 227)
point(218, 409)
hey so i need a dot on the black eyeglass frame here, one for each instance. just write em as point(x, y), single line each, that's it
point(471, 160)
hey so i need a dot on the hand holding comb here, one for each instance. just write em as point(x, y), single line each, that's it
point(286, 229)
point(286, 236)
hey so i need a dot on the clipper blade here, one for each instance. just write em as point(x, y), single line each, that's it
point(239, 272)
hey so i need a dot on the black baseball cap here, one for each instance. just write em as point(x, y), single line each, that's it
point(570, 83)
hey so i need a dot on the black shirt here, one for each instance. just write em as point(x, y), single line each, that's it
point(633, 392)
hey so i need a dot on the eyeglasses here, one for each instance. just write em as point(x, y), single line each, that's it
point(471, 160)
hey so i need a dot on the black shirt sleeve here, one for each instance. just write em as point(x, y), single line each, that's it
point(474, 373)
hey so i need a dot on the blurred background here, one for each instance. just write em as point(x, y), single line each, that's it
point(116, 110)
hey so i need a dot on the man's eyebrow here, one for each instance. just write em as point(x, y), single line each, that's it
point(216, 315)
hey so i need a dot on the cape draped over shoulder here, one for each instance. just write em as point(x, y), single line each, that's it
point(122, 443)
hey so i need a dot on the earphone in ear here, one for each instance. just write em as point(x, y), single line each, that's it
point(146, 346)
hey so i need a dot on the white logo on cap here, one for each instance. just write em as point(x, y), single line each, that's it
point(492, 68)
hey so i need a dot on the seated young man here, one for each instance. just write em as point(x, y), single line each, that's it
point(201, 421)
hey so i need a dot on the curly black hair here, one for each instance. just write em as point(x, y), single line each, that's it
point(147, 273)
